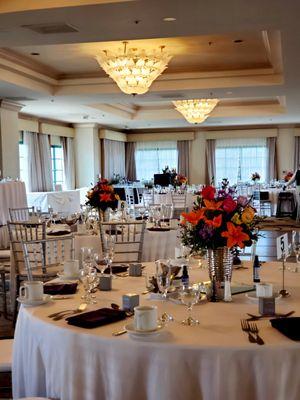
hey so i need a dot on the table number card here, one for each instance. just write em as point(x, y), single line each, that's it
point(282, 245)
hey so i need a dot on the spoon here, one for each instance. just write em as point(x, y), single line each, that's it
point(82, 307)
point(119, 333)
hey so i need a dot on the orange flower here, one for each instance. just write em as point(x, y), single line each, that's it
point(216, 222)
point(213, 205)
point(194, 216)
point(106, 188)
point(235, 236)
point(105, 197)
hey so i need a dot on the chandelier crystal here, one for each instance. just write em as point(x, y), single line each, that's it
point(135, 70)
point(197, 110)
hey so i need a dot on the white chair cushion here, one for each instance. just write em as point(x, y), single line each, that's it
point(6, 346)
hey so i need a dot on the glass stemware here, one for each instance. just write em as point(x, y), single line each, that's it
point(189, 296)
point(109, 252)
point(164, 281)
point(99, 262)
point(296, 248)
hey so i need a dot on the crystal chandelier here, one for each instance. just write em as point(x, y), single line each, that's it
point(134, 70)
point(195, 111)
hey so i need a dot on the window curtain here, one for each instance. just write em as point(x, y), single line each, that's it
point(69, 162)
point(297, 153)
point(130, 167)
point(114, 158)
point(183, 147)
point(210, 161)
point(39, 162)
point(272, 159)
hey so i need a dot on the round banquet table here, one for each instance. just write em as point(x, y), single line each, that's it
point(213, 360)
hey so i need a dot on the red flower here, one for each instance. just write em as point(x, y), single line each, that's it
point(208, 192)
point(216, 222)
point(229, 205)
point(235, 236)
point(213, 205)
point(105, 197)
point(194, 216)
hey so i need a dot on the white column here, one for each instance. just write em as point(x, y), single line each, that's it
point(9, 139)
point(87, 154)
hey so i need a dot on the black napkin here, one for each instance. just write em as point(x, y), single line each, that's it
point(158, 229)
point(58, 233)
point(93, 319)
point(289, 327)
point(60, 288)
point(116, 269)
point(141, 218)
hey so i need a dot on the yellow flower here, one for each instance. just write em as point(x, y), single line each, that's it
point(117, 197)
point(248, 215)
point(236, 219)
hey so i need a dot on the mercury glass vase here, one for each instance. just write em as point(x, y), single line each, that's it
point(104, 215)
point(219, 266)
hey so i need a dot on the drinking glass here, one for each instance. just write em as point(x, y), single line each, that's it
point(190, 295)
point(109, 252)
point(99, 262)
point(87, 255)
point(164, 281)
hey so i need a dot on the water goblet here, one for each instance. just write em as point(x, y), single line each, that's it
point(99, 262)
point(109, 252)
point(189, 296)
point(164, 281)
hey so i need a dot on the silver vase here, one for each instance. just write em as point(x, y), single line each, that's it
point(219, 267)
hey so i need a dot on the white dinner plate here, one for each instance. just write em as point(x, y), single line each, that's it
point(142, 334)
point(46, 298)
point(252, 297)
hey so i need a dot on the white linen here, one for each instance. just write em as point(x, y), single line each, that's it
point(211, 361)
point(66, 202)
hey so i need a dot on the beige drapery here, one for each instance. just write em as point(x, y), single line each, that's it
point(114, 158)
point(69, 162)
point(210, 161)
point(130, 167)
point(272, 172)
point(183, 147)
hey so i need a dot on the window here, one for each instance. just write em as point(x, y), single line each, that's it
point(57, 161)
point(152, 157)
point(237, 159)
point(23, 162)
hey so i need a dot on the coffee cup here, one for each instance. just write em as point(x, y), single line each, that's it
point(71, 268)
point(32, 291)
point(145, 318)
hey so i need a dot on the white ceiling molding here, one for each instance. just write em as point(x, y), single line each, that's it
point(241, 133)
point(56, 130)
point(112, 135)
point(28, 125)
point(160, 136)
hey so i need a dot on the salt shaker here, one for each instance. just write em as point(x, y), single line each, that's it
point(227, 289)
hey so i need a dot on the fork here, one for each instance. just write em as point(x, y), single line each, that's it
point(245, 327)
point(254, 329)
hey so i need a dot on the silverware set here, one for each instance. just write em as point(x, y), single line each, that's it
point(252, 331)
point(66, 313)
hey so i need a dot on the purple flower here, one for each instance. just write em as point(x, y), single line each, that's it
point(206, 232)
point(242, 201)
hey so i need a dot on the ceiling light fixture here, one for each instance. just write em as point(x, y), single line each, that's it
point(134, 70)
point(169, 19)
point(197, 110)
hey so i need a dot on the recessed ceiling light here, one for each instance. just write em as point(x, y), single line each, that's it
point(169, 19)
point(238, 41)
point(34, 54)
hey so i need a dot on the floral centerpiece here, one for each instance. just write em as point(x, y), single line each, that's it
point(219, 223)
point(180, 180)
point(255, 177)
point(102, 196)
point(288, 175)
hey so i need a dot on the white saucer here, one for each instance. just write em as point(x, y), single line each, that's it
point(64, 277)
point(252, 297)
point(139, 334)
point(46, 298)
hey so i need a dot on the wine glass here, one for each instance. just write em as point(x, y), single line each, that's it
point(109, 252)
point(99, 262)
point(87, 255)
point(296, 247)
point(164, 281)
point(189, 296)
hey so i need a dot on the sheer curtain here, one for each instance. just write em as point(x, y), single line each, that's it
point(297, 153)
point(39, 162)
point(130, 167)
point(237, 159)
point(210, 161)
point(183, 147)
point(152, 157)
point(272, 159)
point(114, 158)
point(69, 162)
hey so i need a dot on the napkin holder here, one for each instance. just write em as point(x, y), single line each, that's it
point(135, 270)
point(105, 282)
point(130, 300)
point(266, 305)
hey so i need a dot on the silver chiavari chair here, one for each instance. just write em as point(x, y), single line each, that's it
point(179, 203)
point(129, 195)
point(21, 214)
point(44, 258)
point(128, 240)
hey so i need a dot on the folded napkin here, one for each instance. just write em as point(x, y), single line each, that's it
point(158, 229)
point(60, 288)
point(117, 269)
point(141, 218)
point(93, 319)
point(289, 327)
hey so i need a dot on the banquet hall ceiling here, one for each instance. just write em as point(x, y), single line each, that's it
point(245, 53)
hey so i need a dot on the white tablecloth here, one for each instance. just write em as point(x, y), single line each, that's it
point(66, 202)
point(211, 361)
point(12, 195)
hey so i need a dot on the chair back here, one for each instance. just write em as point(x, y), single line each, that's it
point(129, 195)
point(179, 200)
point(128, 238)
point(148, 197)
point(45, 257)
point(21, 214)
